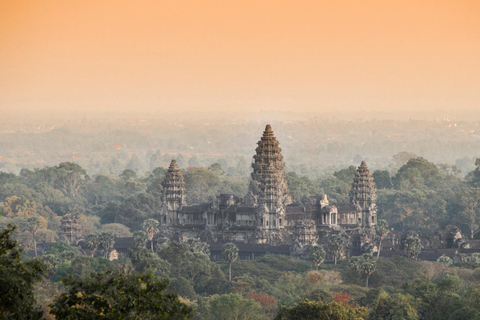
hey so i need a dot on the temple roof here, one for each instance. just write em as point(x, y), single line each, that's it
point(268, 173)
point(363, 186)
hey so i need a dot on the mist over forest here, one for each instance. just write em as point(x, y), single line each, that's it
point(313, 145)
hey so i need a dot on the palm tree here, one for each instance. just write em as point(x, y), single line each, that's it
point(197, 245)
point(335, 247)
point(367, 265)
point(92, 242)
point(106, 241)
point(381, 230)
point(317, 255)
point(355, 263)
point(33, 224)
point(413, 247)
point(445, 260)
point(230, 254)
point(139, 239)
point(150, 226)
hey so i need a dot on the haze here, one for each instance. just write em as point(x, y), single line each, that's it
point(402, 57)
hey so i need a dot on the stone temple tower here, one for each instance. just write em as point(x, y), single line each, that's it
point(268, 187)
point(174, 195)
point(363, 196)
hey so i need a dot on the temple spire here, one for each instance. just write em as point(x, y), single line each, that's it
point(363, 195)
point(174, 195)
point(268, 177)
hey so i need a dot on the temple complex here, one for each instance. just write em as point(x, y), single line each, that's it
point(266, 214)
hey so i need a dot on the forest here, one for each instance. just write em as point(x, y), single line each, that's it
point(164, 279)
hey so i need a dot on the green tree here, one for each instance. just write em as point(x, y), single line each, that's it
point(92, 242)
point(216, 168)
point(106, 241)
point(317, 255)
point(128, 174)
point(118, 229)
point(346, 175)
point(445, 260)
point(70, 178)
point(393, 307)
point(104, 296)
point(17, 279)
point(234, 306)
point(382, 179)
point(230, 254)
point(147, 262)
point(473, 177)
point(33, 224)
point(200, 183)
point(367, 265)
point(381, 230)
point(139, 239)
point(417, 173)
point(413, 247)
point(466, 208)
point(336, 247)
point(151, 227)
point(196, 245)
point(355, 263)
point(310, 310)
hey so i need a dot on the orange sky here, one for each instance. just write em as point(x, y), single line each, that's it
point(239, 55)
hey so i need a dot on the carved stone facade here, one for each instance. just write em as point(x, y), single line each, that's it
point(363, 196)
point(174, 196)
point(266, 215)
point(268, 186)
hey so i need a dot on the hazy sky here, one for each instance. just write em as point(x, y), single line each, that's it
point(239, 55)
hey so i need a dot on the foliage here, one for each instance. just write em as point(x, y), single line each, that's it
point(17, 279)
point(309, 310)
point(234, 306)
point(301, 186)
point(200, 184)
point(104, 296)
point(106, 241)
point(336, 247)
point(150, 226)
point(413, 247)
point(381, 230)
point(445, 260)
point(392, 307)
point(317, 255)
point(145, 261)
point(230, 254)
point(367, 265)
point(382, 179)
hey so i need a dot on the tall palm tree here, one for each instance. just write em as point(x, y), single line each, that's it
point(413, 247)
point(106, 241)
point(139, 239)
point(317, 255)
point(230, 254)
point(151, 227)
point(335, 247)
point(367, 265)
point(92, 242)
point(33, 224)
point(381, 229)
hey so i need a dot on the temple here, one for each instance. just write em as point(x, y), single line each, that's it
point(266, 214)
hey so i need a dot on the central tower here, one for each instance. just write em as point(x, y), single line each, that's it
point(174, 195)
point(268, 187)
point(363, 196)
